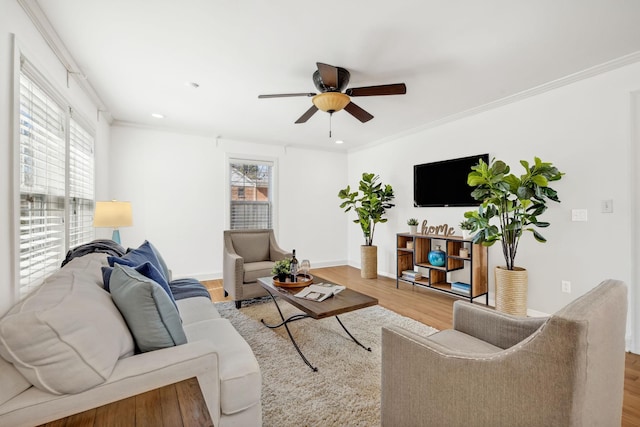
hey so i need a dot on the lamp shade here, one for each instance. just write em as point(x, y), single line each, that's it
point(113, 214)
point(331, 102)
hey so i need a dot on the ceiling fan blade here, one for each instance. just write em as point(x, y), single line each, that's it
point(358, 112)
point(392, 89)
point(306, 116)
point(329, 74)
point(285, 95)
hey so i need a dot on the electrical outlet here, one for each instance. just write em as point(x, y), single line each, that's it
point(578, 214)
point(566, 286)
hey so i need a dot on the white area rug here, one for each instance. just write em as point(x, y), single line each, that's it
point(346, 389)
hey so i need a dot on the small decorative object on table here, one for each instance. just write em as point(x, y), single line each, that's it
point(436, 257)
point(464, 253)
point(413, 225)
point(281, 269)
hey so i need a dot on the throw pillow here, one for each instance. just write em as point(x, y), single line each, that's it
point(147, 270)
point(135, 257)
point(151, 316)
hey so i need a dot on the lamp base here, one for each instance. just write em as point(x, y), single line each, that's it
point(116, 236)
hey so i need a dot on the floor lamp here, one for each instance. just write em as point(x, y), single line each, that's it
point(113, 214)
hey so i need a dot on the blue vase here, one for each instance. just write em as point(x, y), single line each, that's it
point(436, 257)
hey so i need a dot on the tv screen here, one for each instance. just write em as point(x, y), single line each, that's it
point(444, 183)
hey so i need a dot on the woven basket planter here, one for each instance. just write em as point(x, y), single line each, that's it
point(511, 290)
point(369, 262)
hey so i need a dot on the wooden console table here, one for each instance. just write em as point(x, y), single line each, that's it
point(176, 405)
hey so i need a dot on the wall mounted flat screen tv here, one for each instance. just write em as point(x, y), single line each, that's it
point(444, 183)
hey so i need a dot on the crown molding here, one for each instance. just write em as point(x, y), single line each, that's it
point(44, 27)
point(605, 67)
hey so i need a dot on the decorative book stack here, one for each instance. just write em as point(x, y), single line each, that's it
point(463, 288)
point(411, 275)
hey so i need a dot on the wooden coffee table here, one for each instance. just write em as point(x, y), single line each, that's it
point(344, 302)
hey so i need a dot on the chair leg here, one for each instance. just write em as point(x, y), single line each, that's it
point(238, 304)
point(226, 294)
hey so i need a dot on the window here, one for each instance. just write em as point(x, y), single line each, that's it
point(56, 180)
point(251, 194)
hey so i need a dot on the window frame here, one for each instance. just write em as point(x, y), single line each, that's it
point(251, 159)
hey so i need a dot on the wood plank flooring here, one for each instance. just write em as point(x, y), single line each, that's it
point(435, 309)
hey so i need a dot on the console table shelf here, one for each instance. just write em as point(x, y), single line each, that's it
point(412, 251)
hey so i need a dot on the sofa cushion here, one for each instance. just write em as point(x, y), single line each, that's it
point(198, 309)
point(151, 315)
point(133, 258)
point(13, 383)
point(252, 247)
point(254, 270)
point(50, 336)
point(240, 377)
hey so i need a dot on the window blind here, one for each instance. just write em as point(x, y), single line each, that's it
point(56, 181)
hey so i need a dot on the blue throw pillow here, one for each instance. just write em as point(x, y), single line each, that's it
point(152, 318)
point(138, 257)
point(147, 270)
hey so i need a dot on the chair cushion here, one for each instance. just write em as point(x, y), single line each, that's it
point(252, 247)
point(150, 314)
point(50, 336)
point(459, 341)
point(254, 270)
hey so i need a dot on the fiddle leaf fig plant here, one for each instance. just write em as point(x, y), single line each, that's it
point(510, 204)
point(370, 205)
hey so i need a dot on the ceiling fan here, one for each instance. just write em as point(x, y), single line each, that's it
point(330, 82)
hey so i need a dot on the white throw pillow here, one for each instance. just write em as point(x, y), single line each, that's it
point(67, 336)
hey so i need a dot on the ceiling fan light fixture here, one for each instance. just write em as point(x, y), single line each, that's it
point(331, 102)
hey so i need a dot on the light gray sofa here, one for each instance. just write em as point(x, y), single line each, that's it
point(69, 350)
point(493, 369)
point(248, 255)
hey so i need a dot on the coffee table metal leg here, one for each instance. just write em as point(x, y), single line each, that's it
point(352, 337)
point(284, 323)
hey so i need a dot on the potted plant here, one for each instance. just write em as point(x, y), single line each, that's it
point(467, 228)
point(413, 225)
point(510, 205)
point(370, 205)
point(282, 269)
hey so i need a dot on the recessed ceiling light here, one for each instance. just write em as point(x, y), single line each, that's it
point(192, 84)
point(157, 115)
point(339, 141)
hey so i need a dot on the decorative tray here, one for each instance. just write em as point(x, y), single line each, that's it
point(303, 280)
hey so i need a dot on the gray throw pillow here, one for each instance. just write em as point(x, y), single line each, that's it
point(150, 314)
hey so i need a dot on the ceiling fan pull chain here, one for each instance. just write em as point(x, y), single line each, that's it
point(330, 115)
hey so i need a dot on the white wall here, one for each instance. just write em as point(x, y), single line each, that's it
point(176, 183)
point(584, 129)
point(13, 21)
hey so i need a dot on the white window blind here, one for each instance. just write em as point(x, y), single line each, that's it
point(48, 183)
point(251, 194)
point(81, 185)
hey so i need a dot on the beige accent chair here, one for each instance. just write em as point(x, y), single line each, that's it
point(494, 369)
point(248, 254)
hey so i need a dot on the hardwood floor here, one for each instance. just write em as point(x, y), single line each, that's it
point(435, 309)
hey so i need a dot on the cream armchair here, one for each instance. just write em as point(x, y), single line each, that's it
point(493, 369)
point(248, 254)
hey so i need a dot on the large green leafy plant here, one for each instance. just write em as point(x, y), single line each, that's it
point(510, 204)
point(370, 206)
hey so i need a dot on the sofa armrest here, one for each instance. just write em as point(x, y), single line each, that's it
point(486, 324)
point(131, 376)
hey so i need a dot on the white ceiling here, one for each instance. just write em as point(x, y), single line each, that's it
point(453, 55)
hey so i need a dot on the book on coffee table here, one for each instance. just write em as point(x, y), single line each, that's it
point(319, 291)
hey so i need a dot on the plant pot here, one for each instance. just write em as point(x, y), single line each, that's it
point(368, 262)
point(282, 277)
point(413, 229)
point(511, 290)
point(467, 235)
